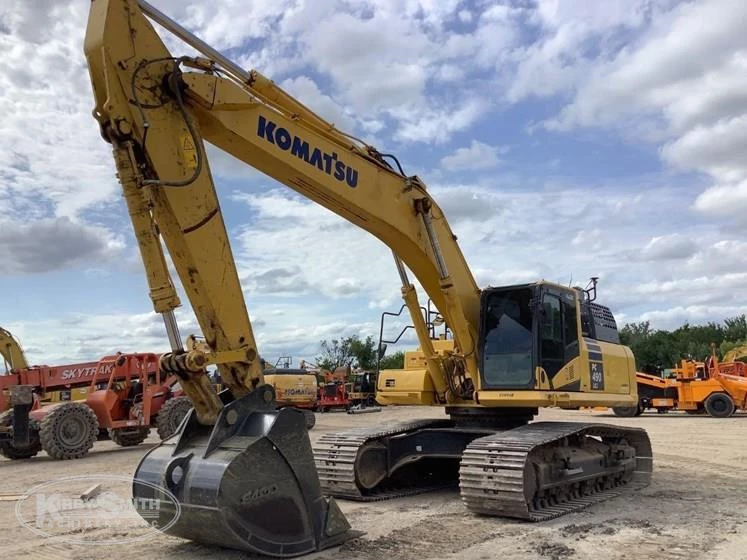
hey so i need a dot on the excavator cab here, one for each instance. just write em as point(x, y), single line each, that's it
point(525, 330)
point(544, 336)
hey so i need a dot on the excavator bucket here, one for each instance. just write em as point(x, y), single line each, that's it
point(248, 482)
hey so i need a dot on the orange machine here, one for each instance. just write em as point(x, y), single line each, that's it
point(126, 395)
point(348, 390)
point(55, 383)
point(334, 394)
point(695, 387)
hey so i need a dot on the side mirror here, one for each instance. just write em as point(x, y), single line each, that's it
point(382, 350)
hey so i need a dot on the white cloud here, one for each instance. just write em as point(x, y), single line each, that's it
point(722, 257)
point(677, 81)
point(664, 66)
point(280, 330)
point(477, 156)
point(303, 87)
point(668, 247)
point(465, 16)
point(694, 314)
point(724, 200)
point(717, 148)
point(48, 131)
point(50, 244)
point(436, 124)
point(295, 246)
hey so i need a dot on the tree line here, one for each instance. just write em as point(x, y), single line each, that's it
point(354, 352)
point(658, 349)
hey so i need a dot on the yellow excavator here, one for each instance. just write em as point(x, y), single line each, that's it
point(738, 354)
point(15, 427)
point(11, 351)
point(243, 474)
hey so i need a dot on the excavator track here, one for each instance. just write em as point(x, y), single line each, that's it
point(495, 468)
point(496, 471)
point(335, 458)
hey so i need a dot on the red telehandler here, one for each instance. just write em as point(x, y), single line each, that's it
point(122, 397)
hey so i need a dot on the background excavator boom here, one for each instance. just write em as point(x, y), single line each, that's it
point(11, 352)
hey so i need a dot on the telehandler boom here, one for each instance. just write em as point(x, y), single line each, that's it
point(244, 473)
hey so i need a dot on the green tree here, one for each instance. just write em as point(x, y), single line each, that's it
point(634, 333)
point(350, 351)
point(656, 349)
point(735, 328)
point(393, 361)
point(335, 353)
point(364, 352)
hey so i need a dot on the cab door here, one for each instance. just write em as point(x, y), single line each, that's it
point(558, 332)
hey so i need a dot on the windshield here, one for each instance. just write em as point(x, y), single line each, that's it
point(507, 339)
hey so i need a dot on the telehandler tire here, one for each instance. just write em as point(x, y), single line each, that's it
point(171, 415)
point(719, 405)
point(10, 451)
point(69, 431)
point(128, 437)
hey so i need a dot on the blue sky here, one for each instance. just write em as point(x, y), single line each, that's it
point(563, 139)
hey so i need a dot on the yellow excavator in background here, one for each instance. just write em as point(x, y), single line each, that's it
point(242, 472)
point(738, 354)
point(11, 351)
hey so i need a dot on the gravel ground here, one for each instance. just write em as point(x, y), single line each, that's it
point(694, 508)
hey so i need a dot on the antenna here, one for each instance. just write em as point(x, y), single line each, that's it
point(591, 288)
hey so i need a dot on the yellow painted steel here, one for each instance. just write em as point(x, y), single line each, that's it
point(157, 111)
point(11, 351)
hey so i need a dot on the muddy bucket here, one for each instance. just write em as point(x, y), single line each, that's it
point(248, 483)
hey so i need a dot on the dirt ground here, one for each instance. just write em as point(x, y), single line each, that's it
point(696, 506)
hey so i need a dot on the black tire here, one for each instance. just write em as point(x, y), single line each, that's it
point(128, 437)
point(310, 418)
point(10, 451)
point(69, 431)
point(627, 411)
point(171, 415)
point(103, 435)
point(719, 405)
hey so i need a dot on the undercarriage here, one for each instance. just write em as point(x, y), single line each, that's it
point(533, 471)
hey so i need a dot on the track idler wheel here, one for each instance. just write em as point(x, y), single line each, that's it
point(248, 483)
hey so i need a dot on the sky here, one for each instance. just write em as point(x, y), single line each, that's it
point(563, 138)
